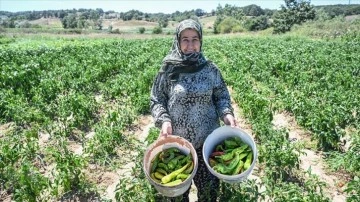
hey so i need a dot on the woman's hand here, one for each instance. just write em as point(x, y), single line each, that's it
point(230, 120)
point(166, 129)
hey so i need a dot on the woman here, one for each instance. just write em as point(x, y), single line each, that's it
point(189, 98)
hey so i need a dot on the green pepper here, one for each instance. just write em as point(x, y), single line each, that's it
point(186, 159)
point(243, 155)
point(212, 162)
point(162, 171)
point(248, 161)
point(230, 144)
point(173, 183)
point(174, 162)
point(225, 157)
point(240, 149)
point(234, 162)
point(221, 168)
point(154, 162)
point(163, 165)
point(152, 175)
point(173, 150)
point(190, 168)
point(178, 166)
point(173, 174)
point(238, 168)
point(156, 157)
point(219, 147)
point(158, 175)
point(182, 176)
point(167, 156)
point(238, 141)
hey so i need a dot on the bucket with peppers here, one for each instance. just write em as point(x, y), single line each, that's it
point(170, 164)
point(230, 154)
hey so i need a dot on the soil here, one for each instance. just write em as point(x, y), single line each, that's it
point(312, 159)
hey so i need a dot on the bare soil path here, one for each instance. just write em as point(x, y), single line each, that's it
point(312, 159)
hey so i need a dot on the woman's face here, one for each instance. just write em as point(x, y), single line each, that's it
point(189, 41)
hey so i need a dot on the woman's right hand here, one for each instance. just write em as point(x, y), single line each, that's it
point(166, 129)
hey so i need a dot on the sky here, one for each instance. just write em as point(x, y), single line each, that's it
point(147, 6)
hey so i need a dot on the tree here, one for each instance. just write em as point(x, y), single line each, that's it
point(256, 23)
point(98, 24)
point(219, 10)
point(163, 21)
point(217, 22)
point(9, 23)
point(94, 15)
point(294, 12)
point(199, 12)
point(100, 11)
point(69, 21)
point(81, 22)
point(268, 12)
point(85, 14)
point(253, 10)
point(61, 14)
point(322, 15)
point(233, 16)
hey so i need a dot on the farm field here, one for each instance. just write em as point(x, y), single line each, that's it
point(74, 116)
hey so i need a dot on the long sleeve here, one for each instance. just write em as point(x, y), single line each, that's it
point(221, 96)
point(159, 100)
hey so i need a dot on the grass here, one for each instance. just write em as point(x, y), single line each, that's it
point(332, 28)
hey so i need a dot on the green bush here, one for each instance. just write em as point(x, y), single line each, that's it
point(228, 25)
point(238, 29)
point(141, 30)
point(256, 23)
point(6, 40)
point(337, 27)
point(217, 22)
point(115, 31)
point(157, 30)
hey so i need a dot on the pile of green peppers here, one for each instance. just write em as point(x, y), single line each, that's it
point(170, 167)
point(231, 157)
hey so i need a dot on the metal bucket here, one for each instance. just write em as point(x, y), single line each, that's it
point(217, 137)
point(164, 143)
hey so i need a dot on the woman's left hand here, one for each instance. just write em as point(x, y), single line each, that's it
point(230, 120)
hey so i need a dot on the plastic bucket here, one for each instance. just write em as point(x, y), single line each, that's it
point(217, 137)
point(164, 143)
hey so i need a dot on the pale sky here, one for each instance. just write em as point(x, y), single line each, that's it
point(147, 6)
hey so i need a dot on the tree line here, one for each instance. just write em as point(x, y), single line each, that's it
point(253, 18)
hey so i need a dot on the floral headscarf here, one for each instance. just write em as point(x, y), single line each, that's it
point(176, 61)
